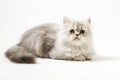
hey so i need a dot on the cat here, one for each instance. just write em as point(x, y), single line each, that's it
point(70, 41)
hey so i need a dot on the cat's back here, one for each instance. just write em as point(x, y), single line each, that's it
point(45, 33)
point(43, 29)
point(47, 27)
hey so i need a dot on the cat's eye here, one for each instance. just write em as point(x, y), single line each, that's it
point(82, 31)
point(72, 31)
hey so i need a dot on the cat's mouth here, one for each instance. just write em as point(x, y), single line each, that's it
point(76, 38)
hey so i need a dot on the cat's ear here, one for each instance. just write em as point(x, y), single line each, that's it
point(66, 20)
point(88, 21)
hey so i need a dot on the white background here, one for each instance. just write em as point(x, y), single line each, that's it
point(17, 16)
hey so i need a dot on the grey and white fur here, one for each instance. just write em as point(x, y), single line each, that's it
point(70, 41)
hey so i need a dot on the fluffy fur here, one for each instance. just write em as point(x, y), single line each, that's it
point(70, 41)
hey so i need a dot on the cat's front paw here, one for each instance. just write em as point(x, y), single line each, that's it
point(88, 57)
point(82, 57)
point(79, 58)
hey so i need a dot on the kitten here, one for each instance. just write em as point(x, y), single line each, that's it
point(70, 41)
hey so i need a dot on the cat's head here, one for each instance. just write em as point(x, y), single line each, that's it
point(76, 31)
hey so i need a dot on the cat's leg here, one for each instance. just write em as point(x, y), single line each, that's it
point(45, 46)
point(40, 53)
point(43, 55)
point(36, 43)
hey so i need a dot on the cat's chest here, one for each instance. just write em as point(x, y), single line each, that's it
point(68, 51)
point(73, 49)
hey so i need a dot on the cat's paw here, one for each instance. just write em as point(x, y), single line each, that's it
point(88, 57)
point(82, 58)
point(79, 58)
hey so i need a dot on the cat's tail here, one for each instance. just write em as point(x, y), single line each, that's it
point(18, 54)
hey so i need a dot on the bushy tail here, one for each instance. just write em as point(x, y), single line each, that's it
point(18, 54)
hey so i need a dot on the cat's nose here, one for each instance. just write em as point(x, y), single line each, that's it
point(77, 34)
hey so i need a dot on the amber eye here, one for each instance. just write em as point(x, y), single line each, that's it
point(82, 31)
point(72, 31)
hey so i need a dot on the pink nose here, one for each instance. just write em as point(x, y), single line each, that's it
point(77, 34)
